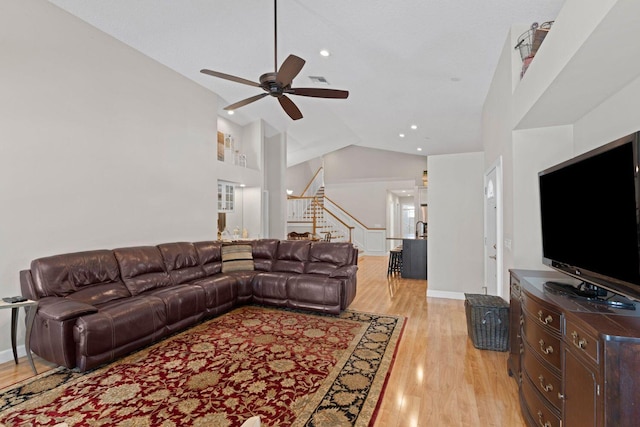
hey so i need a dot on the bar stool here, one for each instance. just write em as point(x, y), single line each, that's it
point(395, 260)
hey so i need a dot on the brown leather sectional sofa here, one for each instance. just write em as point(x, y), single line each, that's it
point(96, 306)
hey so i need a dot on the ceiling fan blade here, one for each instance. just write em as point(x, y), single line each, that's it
point(289, 70)
point(318, 93)
point(230, 77)
point(290, 108)
point(245, 102)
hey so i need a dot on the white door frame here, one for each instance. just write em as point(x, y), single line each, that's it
point(490, 287)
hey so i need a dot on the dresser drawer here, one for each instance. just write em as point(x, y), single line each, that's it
point(582, 341)
point(540, 413)
point(546, 345)
point(541, 313)
point(547, 382)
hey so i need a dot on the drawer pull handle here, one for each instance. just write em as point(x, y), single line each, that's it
point(545, 350)
point(546, 320)
point(547, 387)
point(542, 422)
point(580, 343)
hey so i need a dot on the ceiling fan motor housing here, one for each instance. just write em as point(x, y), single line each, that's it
point(270, 85)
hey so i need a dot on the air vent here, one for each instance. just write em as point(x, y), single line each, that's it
point(318, 80)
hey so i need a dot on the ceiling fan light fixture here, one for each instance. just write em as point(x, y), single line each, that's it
point(230, 112)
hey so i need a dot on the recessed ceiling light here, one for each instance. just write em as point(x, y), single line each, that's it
point(414, 127)
point(325, 52)
point(419, 149)
point(401, 135)
point(230, 112)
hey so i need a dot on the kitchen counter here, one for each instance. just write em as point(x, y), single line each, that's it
point(414, 258)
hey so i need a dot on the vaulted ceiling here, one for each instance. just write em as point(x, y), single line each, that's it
point(426, 63)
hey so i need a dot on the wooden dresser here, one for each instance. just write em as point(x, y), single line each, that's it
point(577, 363)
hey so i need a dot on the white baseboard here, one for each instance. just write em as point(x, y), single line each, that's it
point(7, 355)
point(445, 294)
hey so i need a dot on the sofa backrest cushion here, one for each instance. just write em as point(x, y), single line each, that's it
point(236, 257)
point(292, 256)
point(142, 268)
point(66, 274)
point(181, 262)
point(210, 256)
point(264, 253)
point(325, 257)
point(337, 253)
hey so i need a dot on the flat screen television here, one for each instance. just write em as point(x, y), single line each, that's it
point(589, 216)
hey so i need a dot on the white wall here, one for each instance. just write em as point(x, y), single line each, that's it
point(456, 228)
point(533, 151)
point(366, 201)
point(594, 101)
point(356, 163)
point(358, 178)
point(100, 146)
point(300, 175)
point(275, 161)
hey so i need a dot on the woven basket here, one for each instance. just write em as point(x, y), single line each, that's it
point(487, 321)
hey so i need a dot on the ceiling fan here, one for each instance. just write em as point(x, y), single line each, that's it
point(278, 83)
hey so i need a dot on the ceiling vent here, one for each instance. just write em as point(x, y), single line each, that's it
point(318, 80)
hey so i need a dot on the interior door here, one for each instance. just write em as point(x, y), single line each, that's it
point(491, 232)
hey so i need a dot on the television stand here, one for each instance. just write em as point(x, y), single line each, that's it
point(589, 293)
point(575, 364)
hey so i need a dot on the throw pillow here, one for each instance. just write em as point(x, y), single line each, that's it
point(236, 258)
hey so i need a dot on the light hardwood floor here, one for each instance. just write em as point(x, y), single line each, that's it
point(438, 378)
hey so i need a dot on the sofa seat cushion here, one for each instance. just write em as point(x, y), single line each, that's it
point(183, 303)
point(244, 280)
point(271, 288)
point(100, 294)
point(311, 291)
point(118, 323)
point(220, 290)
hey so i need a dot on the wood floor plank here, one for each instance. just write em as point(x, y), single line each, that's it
point(438, 379)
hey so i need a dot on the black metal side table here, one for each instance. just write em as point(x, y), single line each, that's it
point(30, 308)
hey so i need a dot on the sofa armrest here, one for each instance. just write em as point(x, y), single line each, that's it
point(59, 309)
point(346, 271)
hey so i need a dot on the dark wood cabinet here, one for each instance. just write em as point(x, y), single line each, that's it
point(577, 363)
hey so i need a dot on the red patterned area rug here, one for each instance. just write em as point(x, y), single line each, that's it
point(291, 368)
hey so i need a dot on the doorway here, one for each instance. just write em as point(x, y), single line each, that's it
point(493, 249)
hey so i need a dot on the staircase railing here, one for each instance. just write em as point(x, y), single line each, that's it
point(340, 231)
point(371, 240)
point(326, 215)
point(299, 208)
point(306, 209)
point(314, 185)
